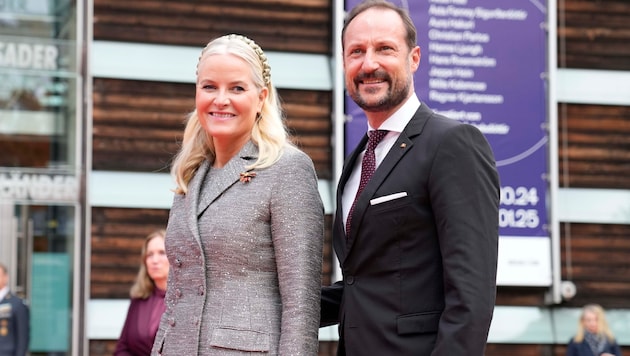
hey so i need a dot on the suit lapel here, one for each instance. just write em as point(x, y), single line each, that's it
point(222, 179)
point(403, 144)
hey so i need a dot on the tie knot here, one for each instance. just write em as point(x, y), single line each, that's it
point(375, 137)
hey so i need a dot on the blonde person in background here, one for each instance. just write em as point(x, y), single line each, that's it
point(245, 231)
point(593, 336)
point(147, 299)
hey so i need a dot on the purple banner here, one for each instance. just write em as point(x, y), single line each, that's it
point(483, 63)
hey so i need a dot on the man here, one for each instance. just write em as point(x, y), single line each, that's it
point(420, 253)
point(14, 320)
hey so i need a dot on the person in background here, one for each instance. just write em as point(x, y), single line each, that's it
point(418, 242)
point(14, 320)
point(593, 336)
point(147, 299)
point(245, 230)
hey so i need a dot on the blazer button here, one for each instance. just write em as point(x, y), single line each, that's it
point(178, 293)
point(350, 280)
point(171, 321)
point(201, 290)
point(178, 262)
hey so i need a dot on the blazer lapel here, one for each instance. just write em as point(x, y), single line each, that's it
point(403, 144)
point(222, 179)
point(192, 198)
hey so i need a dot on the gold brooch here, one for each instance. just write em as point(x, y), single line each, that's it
point(245, 177)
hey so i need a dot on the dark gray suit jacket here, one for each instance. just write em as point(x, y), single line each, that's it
point(245, 261)
point(419, 271)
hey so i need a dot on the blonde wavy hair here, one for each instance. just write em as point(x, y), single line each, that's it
point(602, 324)
point(269, 133)
point(143, 286)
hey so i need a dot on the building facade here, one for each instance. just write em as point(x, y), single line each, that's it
point(93, 97)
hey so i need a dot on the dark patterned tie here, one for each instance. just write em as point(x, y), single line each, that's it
point(368, 166)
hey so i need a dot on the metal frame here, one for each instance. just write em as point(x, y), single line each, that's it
point(552, 112)
point(82, 261)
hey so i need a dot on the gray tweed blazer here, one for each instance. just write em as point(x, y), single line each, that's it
point(246, 261)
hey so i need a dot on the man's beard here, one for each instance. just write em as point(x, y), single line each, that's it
point(392, 98)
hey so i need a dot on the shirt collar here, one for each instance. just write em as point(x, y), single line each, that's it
point(3, 292)
point(401, 117)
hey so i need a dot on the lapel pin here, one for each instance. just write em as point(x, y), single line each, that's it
point(403, 145)
point(246, 177)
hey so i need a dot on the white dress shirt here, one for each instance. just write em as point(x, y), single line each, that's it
point(395, 125)
point(3, 292)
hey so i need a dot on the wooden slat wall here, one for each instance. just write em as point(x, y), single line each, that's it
point(137, 125)
point(309, 123)
point(276, 25)
point(594, 151)
point(594, 146)
point(117, 238)
point(594, 34)
point(595, 258)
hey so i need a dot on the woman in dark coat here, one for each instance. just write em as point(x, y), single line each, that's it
point(593, 337)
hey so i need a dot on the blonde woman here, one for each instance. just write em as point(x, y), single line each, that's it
point(593, 336)
point(246, 225)
point(147, 299)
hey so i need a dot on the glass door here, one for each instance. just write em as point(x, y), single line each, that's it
point(42, 167)
point(38, 246)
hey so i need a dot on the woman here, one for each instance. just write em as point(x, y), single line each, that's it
point(593, 337)
point(147, 299)
point(246, 225)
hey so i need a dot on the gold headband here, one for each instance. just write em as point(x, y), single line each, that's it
point(261, 55)
point(266, 73)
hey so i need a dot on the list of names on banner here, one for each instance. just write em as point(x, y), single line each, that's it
point(458, 56)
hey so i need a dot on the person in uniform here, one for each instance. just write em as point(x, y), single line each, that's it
point(14, 320)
